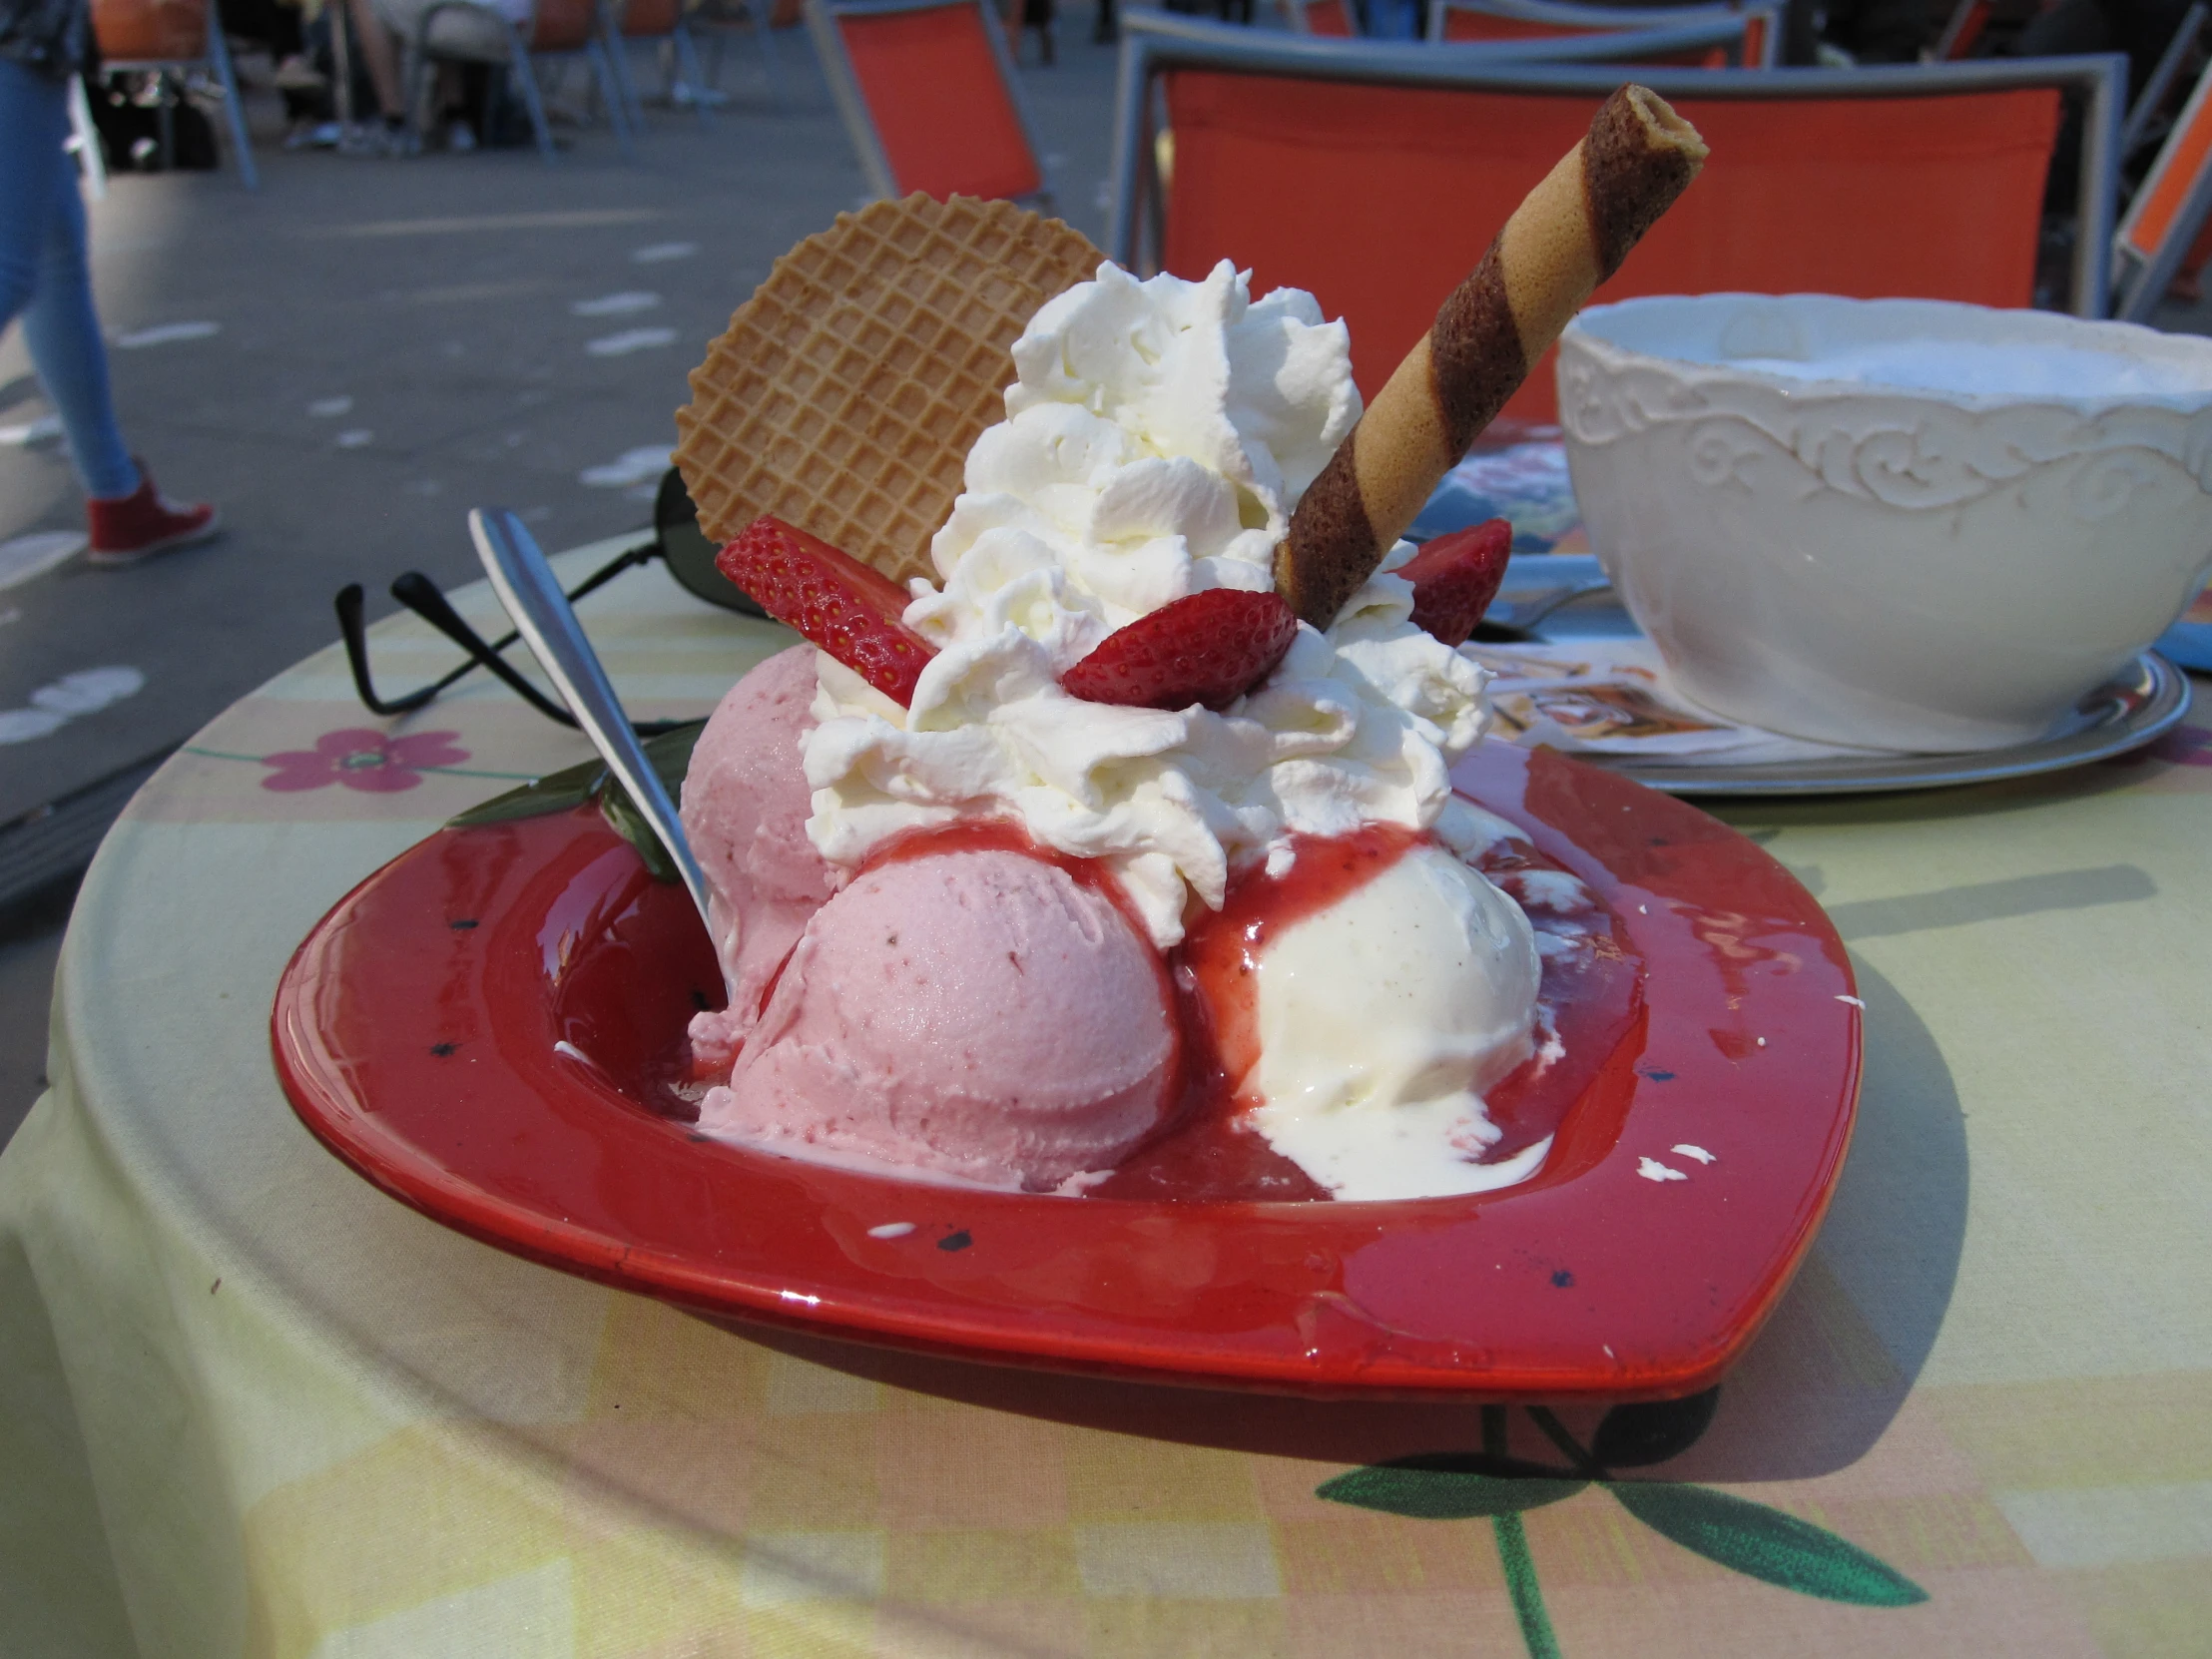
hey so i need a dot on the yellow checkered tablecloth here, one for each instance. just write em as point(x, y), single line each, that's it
point(250, 1406)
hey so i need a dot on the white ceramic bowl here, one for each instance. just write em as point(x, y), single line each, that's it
point(1824, 545)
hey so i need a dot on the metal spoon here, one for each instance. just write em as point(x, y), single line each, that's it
point(1517, 618)
point(526, 585)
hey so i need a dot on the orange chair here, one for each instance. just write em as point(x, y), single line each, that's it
point(1375, 176)
point(929, 93)
point(2168, 214)
point(559, 32)
point(1321, 17)
point(1761, 25)
point(167, 38)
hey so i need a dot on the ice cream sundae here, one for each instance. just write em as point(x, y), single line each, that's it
point(1119, 853)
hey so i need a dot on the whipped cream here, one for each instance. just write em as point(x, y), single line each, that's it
point(1157, 437)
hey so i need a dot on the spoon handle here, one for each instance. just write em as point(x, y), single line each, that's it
point(525, 584)
point(1519, 618)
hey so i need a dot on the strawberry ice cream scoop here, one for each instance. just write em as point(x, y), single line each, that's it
point(974, 1015)
point(744, 810)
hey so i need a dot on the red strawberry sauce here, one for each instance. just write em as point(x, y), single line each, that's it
point(1590, 994)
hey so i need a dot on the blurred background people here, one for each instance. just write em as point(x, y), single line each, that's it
point(46, 280)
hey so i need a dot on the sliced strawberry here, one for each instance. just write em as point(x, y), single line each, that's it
point(850, 609)
point(1457, 576)
point(1208, 648)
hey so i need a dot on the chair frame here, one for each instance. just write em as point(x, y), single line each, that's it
point(1152, 45)
point(522, 61)
point(1624, 19)
point(852, 102)
point(684, 62)
point(216, 57)
point(1961, 30)
point(2140, 274)
point(2162, 76)
point(758, 13)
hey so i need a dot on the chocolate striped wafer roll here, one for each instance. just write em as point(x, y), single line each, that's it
point(1569, 235)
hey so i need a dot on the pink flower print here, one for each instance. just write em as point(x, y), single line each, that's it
point(364, 759)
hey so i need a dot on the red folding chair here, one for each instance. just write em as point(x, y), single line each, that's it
point(1375, 175)
point(2168, 212)
point(166, 39)
point(929, 92)
point(1760, 24)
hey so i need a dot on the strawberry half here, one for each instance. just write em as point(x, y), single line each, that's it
point(1455, 577)
point(850, 609)
point(1208, 648)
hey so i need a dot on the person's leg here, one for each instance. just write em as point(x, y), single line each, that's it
point(25, 126)
point(380, 56)
point(46, 280)
point(296, 77)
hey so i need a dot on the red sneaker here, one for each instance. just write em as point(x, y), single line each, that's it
point(128, 528)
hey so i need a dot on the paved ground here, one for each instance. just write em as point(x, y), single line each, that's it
point(350, 358)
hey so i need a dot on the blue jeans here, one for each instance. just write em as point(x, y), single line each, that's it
point(46, 280)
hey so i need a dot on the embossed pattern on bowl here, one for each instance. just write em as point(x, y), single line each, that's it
point(1935, 571)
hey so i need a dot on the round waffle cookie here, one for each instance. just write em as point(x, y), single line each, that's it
point(847, 392)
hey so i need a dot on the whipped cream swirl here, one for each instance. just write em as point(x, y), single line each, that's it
point(1155, 442)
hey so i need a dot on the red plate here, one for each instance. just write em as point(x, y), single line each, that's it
point(416, 1029)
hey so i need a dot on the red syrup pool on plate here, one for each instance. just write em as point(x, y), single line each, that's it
point(1588, 1000)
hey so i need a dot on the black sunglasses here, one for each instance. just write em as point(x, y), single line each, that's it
point(676, 540)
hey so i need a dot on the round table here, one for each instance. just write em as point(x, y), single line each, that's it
point(250, 1406)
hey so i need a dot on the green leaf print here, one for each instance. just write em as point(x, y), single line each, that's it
point(622, 814)
point(556, 792)
point(1766, 1545)
point(1450, 1487)
point(571, 786)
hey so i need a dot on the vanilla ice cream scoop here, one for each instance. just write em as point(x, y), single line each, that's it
point(1381, 1019)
